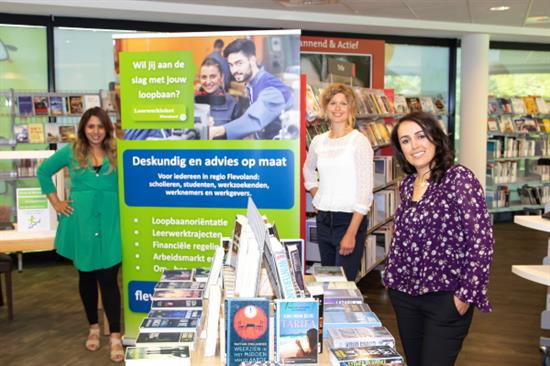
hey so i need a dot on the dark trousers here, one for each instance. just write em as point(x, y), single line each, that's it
point(331, 227)
point(431, 328)
point(110, 295)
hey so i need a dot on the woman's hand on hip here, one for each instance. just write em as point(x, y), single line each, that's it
point(461, 307)
point(347, 244)
point(63, 208)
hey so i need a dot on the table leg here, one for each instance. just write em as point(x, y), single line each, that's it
point(545, 315)
point(19, 261)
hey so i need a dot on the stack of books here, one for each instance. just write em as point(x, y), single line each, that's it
point(353, 332)
point(169, 332)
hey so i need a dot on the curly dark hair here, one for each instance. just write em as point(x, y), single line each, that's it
point(444, 155)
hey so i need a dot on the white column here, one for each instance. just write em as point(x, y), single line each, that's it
point(473, 111)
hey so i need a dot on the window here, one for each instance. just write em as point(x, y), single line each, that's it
point(514, 72)
point(84, 59)
point(23, 58)
point(417, 70)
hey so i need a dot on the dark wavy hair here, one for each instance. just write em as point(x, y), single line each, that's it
point(444, 155)
point(81, 147)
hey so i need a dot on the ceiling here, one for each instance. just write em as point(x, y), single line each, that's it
point(464, 11)
point(428, 18)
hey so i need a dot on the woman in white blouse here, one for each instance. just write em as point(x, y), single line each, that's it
point(342, 189)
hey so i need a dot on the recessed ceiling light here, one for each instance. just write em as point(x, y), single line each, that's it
point(499, 8)
point(538, 19)
point(300, 3)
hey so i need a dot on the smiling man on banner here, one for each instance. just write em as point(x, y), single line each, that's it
point(268, 96)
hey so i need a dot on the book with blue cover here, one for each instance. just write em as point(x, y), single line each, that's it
point(201, 274)
point(57, 105)
point(296, 330)
point(343, 296)
point(182, 314)
point(180, 285)
point(247, 329)
point(25, 105)
point(356, 319)
point(347, 307)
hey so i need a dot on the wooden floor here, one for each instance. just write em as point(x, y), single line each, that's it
point(50, 326)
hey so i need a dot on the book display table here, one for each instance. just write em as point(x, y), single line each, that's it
point(537, 273)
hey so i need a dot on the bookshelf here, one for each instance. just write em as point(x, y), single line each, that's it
point(27, 119)
point(378, 111)
point(517, 176)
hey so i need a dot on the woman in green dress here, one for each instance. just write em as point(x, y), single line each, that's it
point(89, 226)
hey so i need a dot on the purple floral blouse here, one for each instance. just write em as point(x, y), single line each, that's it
point(444, 242)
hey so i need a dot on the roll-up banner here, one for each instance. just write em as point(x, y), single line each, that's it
point(209, 119)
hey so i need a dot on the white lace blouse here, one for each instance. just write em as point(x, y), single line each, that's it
point(345, 167)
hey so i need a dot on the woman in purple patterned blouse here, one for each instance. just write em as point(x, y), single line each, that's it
point(438, 267)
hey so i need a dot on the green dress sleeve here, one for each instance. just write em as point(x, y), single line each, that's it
point(52, 165)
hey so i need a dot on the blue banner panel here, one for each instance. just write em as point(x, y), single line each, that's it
point(139, 295)
point(209, 178)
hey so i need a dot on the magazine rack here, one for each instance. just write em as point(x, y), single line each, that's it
point(22, 241)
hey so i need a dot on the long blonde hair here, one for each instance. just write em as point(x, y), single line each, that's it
point(81, 147)
point(337, 88)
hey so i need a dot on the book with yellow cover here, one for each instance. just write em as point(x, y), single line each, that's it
point(530, 105)
point(36, 133)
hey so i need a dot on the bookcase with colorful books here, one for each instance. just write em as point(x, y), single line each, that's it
point(34, 122)
point(378, 111)
point(47, 117)
point(518, 153)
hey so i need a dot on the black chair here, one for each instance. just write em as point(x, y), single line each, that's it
point(6, 266)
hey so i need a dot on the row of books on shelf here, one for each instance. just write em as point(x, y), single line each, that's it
point(507, 171)
point(511, 147)
point(39, 133)
point(385, 170)
point(55, 105)
point(61, 105)
point(502, 172)
point(498, 197)
point(519, 105)
point(377, 102)
point(507, 124)
point(527, 195)
point(384, 205)
point(530, 195)
point(377, 246)
point(27, 167)
point(377, 131)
